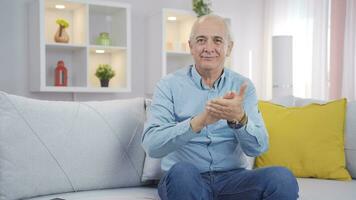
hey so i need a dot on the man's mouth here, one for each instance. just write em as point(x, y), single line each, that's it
point(207, 57)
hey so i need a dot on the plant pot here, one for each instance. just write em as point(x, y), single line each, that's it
point(61, 35)
point(103, 39)
point(104, 83)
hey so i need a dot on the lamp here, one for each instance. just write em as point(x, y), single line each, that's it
point(282, 65)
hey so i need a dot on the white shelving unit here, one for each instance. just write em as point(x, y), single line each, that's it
point(87, 19)
point(167, 44)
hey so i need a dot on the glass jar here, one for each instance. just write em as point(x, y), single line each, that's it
point(103, 39)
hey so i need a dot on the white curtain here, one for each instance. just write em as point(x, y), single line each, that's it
point(307, 22)
point(349, 64)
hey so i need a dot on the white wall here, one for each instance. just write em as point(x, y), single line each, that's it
point(247, 28)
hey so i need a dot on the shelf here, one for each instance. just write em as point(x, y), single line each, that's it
point(167, 44)
point(177, 31)
point(74, 13)
point(87, 19)
point(75, 60)
point(106, 48)
point(110, 20)
point(63, 46)
point(178, 53)
point(116, 57)
point(83, 89)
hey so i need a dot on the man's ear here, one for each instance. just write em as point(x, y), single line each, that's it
point(229, 48)
point(190, 46)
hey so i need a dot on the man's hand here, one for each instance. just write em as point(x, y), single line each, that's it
point(205, 118)
point(229, 107)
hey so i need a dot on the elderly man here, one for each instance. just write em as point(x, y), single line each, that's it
point(203, 122)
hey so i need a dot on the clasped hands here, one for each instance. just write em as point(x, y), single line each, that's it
point(228, 107)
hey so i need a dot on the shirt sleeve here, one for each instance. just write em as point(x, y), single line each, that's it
point(253, 137)
point(162, 133)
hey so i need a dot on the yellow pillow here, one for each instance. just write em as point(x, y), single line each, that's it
point(307, 140)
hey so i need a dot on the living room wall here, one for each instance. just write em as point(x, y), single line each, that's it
point(247, 17)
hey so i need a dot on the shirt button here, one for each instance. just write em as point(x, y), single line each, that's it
point(210, 95)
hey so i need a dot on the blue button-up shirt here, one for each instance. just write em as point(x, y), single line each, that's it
point(182, 95)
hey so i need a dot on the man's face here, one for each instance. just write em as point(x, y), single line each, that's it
point(210, 45)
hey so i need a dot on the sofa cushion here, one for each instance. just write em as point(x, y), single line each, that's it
point(318, 189)
point(151, 169)
point(152, 166)
point(309, 189)
point(350, 126)
point(49, 147)
point(136, 193)
point(308, 140)
point(350, 132)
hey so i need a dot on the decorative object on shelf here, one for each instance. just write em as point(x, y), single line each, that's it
point(201, 7)
point(177, 46)
point(104, 73)
point(169, 46)
point(61, 35)
point(103, 39)
point(61, 74)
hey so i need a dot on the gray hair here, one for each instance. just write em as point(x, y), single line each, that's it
point(209, 17)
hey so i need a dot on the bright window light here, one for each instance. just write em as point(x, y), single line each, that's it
point(99, 51)
point(58, 6)
point(172, 18)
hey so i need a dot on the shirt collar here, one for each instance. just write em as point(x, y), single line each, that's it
point(198, 80)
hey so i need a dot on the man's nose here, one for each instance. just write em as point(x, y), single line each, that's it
point(209, 46)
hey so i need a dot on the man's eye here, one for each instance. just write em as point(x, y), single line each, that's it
point(200, 41)
point(218, 41)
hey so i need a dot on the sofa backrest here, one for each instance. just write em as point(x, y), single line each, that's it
point(49, 147)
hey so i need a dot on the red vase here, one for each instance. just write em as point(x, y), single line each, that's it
point(61, 74)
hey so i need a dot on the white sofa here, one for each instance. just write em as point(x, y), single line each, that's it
point(92, 151)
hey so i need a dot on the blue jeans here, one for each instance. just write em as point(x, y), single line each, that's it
point(184, 182)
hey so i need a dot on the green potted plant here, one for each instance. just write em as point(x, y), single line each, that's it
point(200, 7)
point(61, 35)
point(104, 73)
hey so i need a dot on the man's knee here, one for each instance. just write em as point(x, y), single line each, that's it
point(282, 181)
point(183, 181)
point(183, 172)
point(283, 176)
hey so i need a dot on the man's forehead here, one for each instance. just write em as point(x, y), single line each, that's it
point(209, 36)
point(210, 26)
point(205, 29)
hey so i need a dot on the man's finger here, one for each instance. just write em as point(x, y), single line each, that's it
point(229, 95)
point(214, 112)
point(243, 89)
point(221, 102)
point(218, 107)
